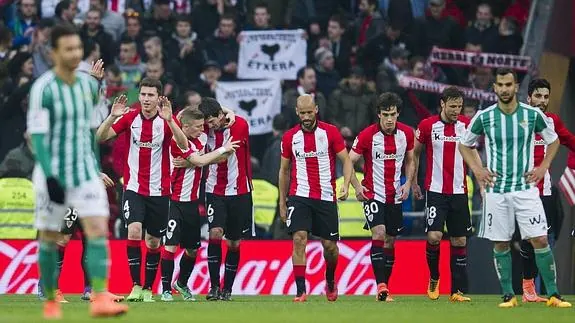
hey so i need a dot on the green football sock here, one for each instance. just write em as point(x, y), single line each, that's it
point(47, 261)
point(546, 264)
point(97, 260)
point(503, 269)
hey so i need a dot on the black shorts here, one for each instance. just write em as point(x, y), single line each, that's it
point(151, 211)
point(234, 214)
point(315, 216)
point(448, 209)
point(388, 214)
point(183, 225)
point(71, 222)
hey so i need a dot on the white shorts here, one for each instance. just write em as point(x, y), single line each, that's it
point(501, 210)
point(89, 199)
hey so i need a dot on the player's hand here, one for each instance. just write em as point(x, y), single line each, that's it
point(108, 182)
point(343, 193)
point(230, 145)
point(97, 70)
point(417, 191)
point(360, 193)
point(165, 108)
point(230, 118)
point(404, 191)
point(181, 163)
point(535, 175)
point(55, 190)
point(119, 106)
point(283, 212)
point(485, 177)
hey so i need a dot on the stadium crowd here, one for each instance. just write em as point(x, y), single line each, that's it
point(356, 51)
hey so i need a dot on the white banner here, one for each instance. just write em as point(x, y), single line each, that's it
point(268, 54)
point(470, 59)
point(415, 83)
point(257, 101)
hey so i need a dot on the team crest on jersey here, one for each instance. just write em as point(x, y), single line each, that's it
point(288, 222)
point(370, 217)
point(69, 224)
point(169, 234)
point(523, 123)
point(210, 218)
point(158, 128)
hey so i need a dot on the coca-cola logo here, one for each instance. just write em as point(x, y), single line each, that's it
point(20, 274)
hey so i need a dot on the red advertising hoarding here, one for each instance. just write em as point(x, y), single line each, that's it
point(265, 268)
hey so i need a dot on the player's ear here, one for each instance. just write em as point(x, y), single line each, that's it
point(316, 109)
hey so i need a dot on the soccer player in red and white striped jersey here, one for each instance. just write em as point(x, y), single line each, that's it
point(310, 149)
point(539, 91)
point(146, 176)
point(228, 196)
point(184, 221)
point(387, 148)
point(446, 191)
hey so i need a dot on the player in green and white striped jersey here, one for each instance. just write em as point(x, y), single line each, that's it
point(509, 180)
point(67, 172)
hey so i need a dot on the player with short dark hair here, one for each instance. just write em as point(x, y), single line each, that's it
point(67, 170)
point(538, 93)
point(307, 197)
point(184, 222)
point(446, 191)
point(146, 176)
point(386, 147)
point(228, 196)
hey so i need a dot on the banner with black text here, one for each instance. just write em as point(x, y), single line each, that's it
point(256, 101)
point(268, 54)
point(445, 56)
point(414, 83)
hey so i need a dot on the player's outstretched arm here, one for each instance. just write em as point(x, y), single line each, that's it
point(105, 131)
point(215, 156)
point(165, 112)
point(283, 182)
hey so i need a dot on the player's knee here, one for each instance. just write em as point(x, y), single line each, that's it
point(378, 233)
point(135, 231)
point(501, 246)
point(539, 242)
point(458, 241)
point(329, 247)
point(152, 242)
point(216, 233)
point(233, 245)
point(192, 253)
point(389, 242)
point(64, 240)
point(299, 240)
point(171, 249)
point(49, 236)
point(434, 237)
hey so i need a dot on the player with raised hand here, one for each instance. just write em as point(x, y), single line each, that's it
point(146, 176)
point(228, 196)
point(446, 191)
point(184, 222)
point(539, 91)
point(386, 147)
point(307, 197)
point(67, 170)
point(509, 127)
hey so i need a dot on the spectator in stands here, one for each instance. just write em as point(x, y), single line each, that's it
point(339, 45)
point(22, 25)
point(20, 72)
point(19, 162)
point(113, 22)
point(417, 67)
point(327, 77)
point(134, 30)
point(302, 14)
point(65, 11)
point(483, 29)
point(13, 119)
point(435, 30)
point(93, 30)
point(373, 53)
point(481, 78)
point(187, 49)
point(113, 81)
point(208, 80)
point(353, 103)
point(155, 51)
point(5, 43)
point(369, 22)
point(92, 53)
point(192, 99)
point(130, 64)
point(509, 40)
point(40, 47)
point(470, 108)
point(393, 66)
point(307, 81)
point(155, 70)
point(223, 47)
point(162, 21)
point(206, 17)
point(261, 18)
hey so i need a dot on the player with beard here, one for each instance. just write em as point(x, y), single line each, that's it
point(184, 222)
point(307, 197)
point(509, 128)
point(146, 176)
point(538, 92)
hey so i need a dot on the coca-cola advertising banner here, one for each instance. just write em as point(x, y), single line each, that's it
point(265, 268)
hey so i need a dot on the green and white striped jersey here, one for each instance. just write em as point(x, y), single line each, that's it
point(64, 113)
point(509, 143)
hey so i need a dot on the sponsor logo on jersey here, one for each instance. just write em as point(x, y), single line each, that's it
point(310, 154)
point(147, 144)
point(440, 137)
point(380, 156)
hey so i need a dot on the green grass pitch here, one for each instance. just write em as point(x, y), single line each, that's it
point(270, 309)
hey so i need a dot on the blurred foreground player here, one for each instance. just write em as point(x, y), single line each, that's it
point(307, 199)
point(387, 148)
point(67, 170)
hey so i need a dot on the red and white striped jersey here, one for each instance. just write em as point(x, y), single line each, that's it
point(312, 155)
point(384, 155)
point(566, 138)
point(186, 181)
point(233, 176)
point(446, 171)
point(147, 166)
